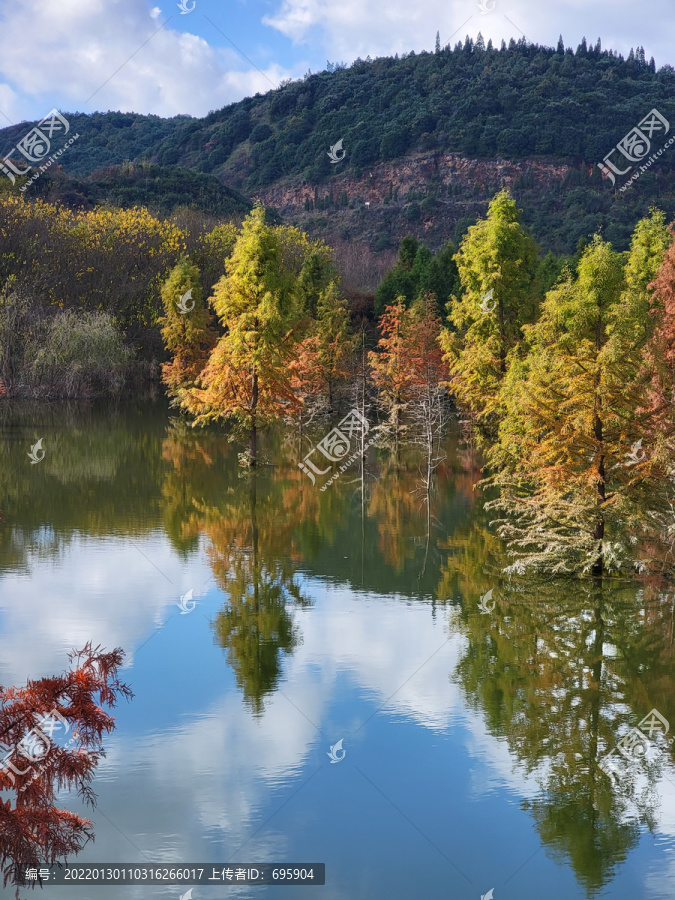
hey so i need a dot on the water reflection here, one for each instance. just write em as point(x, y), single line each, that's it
point(250, 553)
point(345, 583)
point(560, 671)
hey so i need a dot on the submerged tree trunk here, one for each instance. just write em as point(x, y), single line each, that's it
point(397, 427)
point(364, 374)
point(253, 434)
point(594, 691)
point(599, 532)
point(253, 498)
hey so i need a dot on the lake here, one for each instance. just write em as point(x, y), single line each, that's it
point(340, 686)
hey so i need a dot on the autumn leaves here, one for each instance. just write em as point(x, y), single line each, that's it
point(560, 384)
point(561, 388)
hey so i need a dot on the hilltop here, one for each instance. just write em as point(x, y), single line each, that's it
point(427, 139)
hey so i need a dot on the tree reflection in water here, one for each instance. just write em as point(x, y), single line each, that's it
point(561, 670)
point(250, 555)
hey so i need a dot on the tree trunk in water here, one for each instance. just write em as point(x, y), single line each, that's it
point(301, 424)
point(363, 393)
point(253, 497)
point(253, 435)
point(594, 689)
point(397, 427)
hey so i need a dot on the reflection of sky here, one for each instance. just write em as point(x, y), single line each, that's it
point(191, 775)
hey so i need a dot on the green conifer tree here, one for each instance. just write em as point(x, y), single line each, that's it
point(496, 263)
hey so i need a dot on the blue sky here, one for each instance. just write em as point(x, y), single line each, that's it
point(146, 56)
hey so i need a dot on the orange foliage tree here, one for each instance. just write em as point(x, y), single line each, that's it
point(322, 358)
point(408, 367)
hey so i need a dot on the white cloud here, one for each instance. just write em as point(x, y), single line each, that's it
point(9, 106)
point(121, 53)
point(96, 590)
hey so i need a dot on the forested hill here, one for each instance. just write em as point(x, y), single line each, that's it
point(427, 139)
point(161, 189)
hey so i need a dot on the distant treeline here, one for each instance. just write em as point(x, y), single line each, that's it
point(517, 101)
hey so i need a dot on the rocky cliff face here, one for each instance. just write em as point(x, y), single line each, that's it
point(441, 174)
point(427, 195)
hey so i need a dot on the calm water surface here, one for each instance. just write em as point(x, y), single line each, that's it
point(472, 739)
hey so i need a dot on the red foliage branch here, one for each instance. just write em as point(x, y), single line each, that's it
point(33, 831)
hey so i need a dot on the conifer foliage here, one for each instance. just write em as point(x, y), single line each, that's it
point(33, 830)
point(186, 329)
point(274, 277)
point(323, 357)
point(496, 262)
point(581, 458)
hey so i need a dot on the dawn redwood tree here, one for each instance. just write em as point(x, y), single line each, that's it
point(186, 329)
point(316, 275)
point(247, 377)
point(408, 369)
point(496, 256)
point(260, 304)
point(33, 831)
point(576, 485)
point(427, 391)
point(322, 358)
point(660, 363)
point(661, 350)
point(391, 366)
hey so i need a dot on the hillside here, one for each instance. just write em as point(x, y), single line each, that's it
point(161, 189)
point(427, 139)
